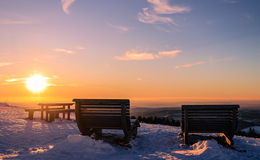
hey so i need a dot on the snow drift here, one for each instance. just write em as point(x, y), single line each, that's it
point(25, 139)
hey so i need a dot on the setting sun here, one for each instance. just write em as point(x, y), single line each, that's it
point(36, 83)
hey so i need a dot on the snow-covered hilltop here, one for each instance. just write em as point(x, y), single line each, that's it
point(29, 140)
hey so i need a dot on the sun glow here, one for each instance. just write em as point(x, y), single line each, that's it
point(36, 83)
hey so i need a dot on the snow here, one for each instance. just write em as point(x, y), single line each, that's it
point(256, 128)
point(22, 139)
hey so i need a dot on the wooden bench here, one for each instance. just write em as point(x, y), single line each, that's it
point(44, 107)
point(93, 115)
point(52, 114)
point(210, 119)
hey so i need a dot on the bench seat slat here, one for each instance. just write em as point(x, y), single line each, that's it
point(54, 104)
point(88, 112)
point(103, 118)
point(101, 115)
point(105, 107)
point(209, 107)
point(209, 117)
point(207, 123)
point(220, 113)
point(102, 101)
point(61, 110)
point(101, 110)
point(209, 111)
point(207, 120)
point(115, 122)
point(107, 112)
point(32, 109)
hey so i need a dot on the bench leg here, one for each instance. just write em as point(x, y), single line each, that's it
point(127, 136)
point(98, 133)
point(57, 115)
point(30, 115)
point(186, 137)
point(41, 114)
point(134, 134)
point(185, 127)
point(52, 117)
point(87, 132)
point(47, 116)
point(68, 115)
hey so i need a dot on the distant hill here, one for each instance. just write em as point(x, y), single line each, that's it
point(247, 117)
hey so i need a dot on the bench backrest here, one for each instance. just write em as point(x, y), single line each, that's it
point(209, 118)
point(102, 113)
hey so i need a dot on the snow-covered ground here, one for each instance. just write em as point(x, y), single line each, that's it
point(28, 140)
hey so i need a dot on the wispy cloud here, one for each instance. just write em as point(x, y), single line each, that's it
point(69, 51)
point(63, 50)
point(19, 80)
point(9, 21)
point(163, 7)
point(172, 53)
point(157, 13)
point(190, 65)
point(80, 48)
point(119, 27)
point(15, 20)
point(135, 55)
point(15, 79)
point(3, 64)
point(66, 4)
point(150, 17)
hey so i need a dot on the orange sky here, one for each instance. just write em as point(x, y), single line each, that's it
point(145, 51)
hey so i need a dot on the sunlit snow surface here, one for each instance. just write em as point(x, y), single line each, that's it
point(29, 140)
